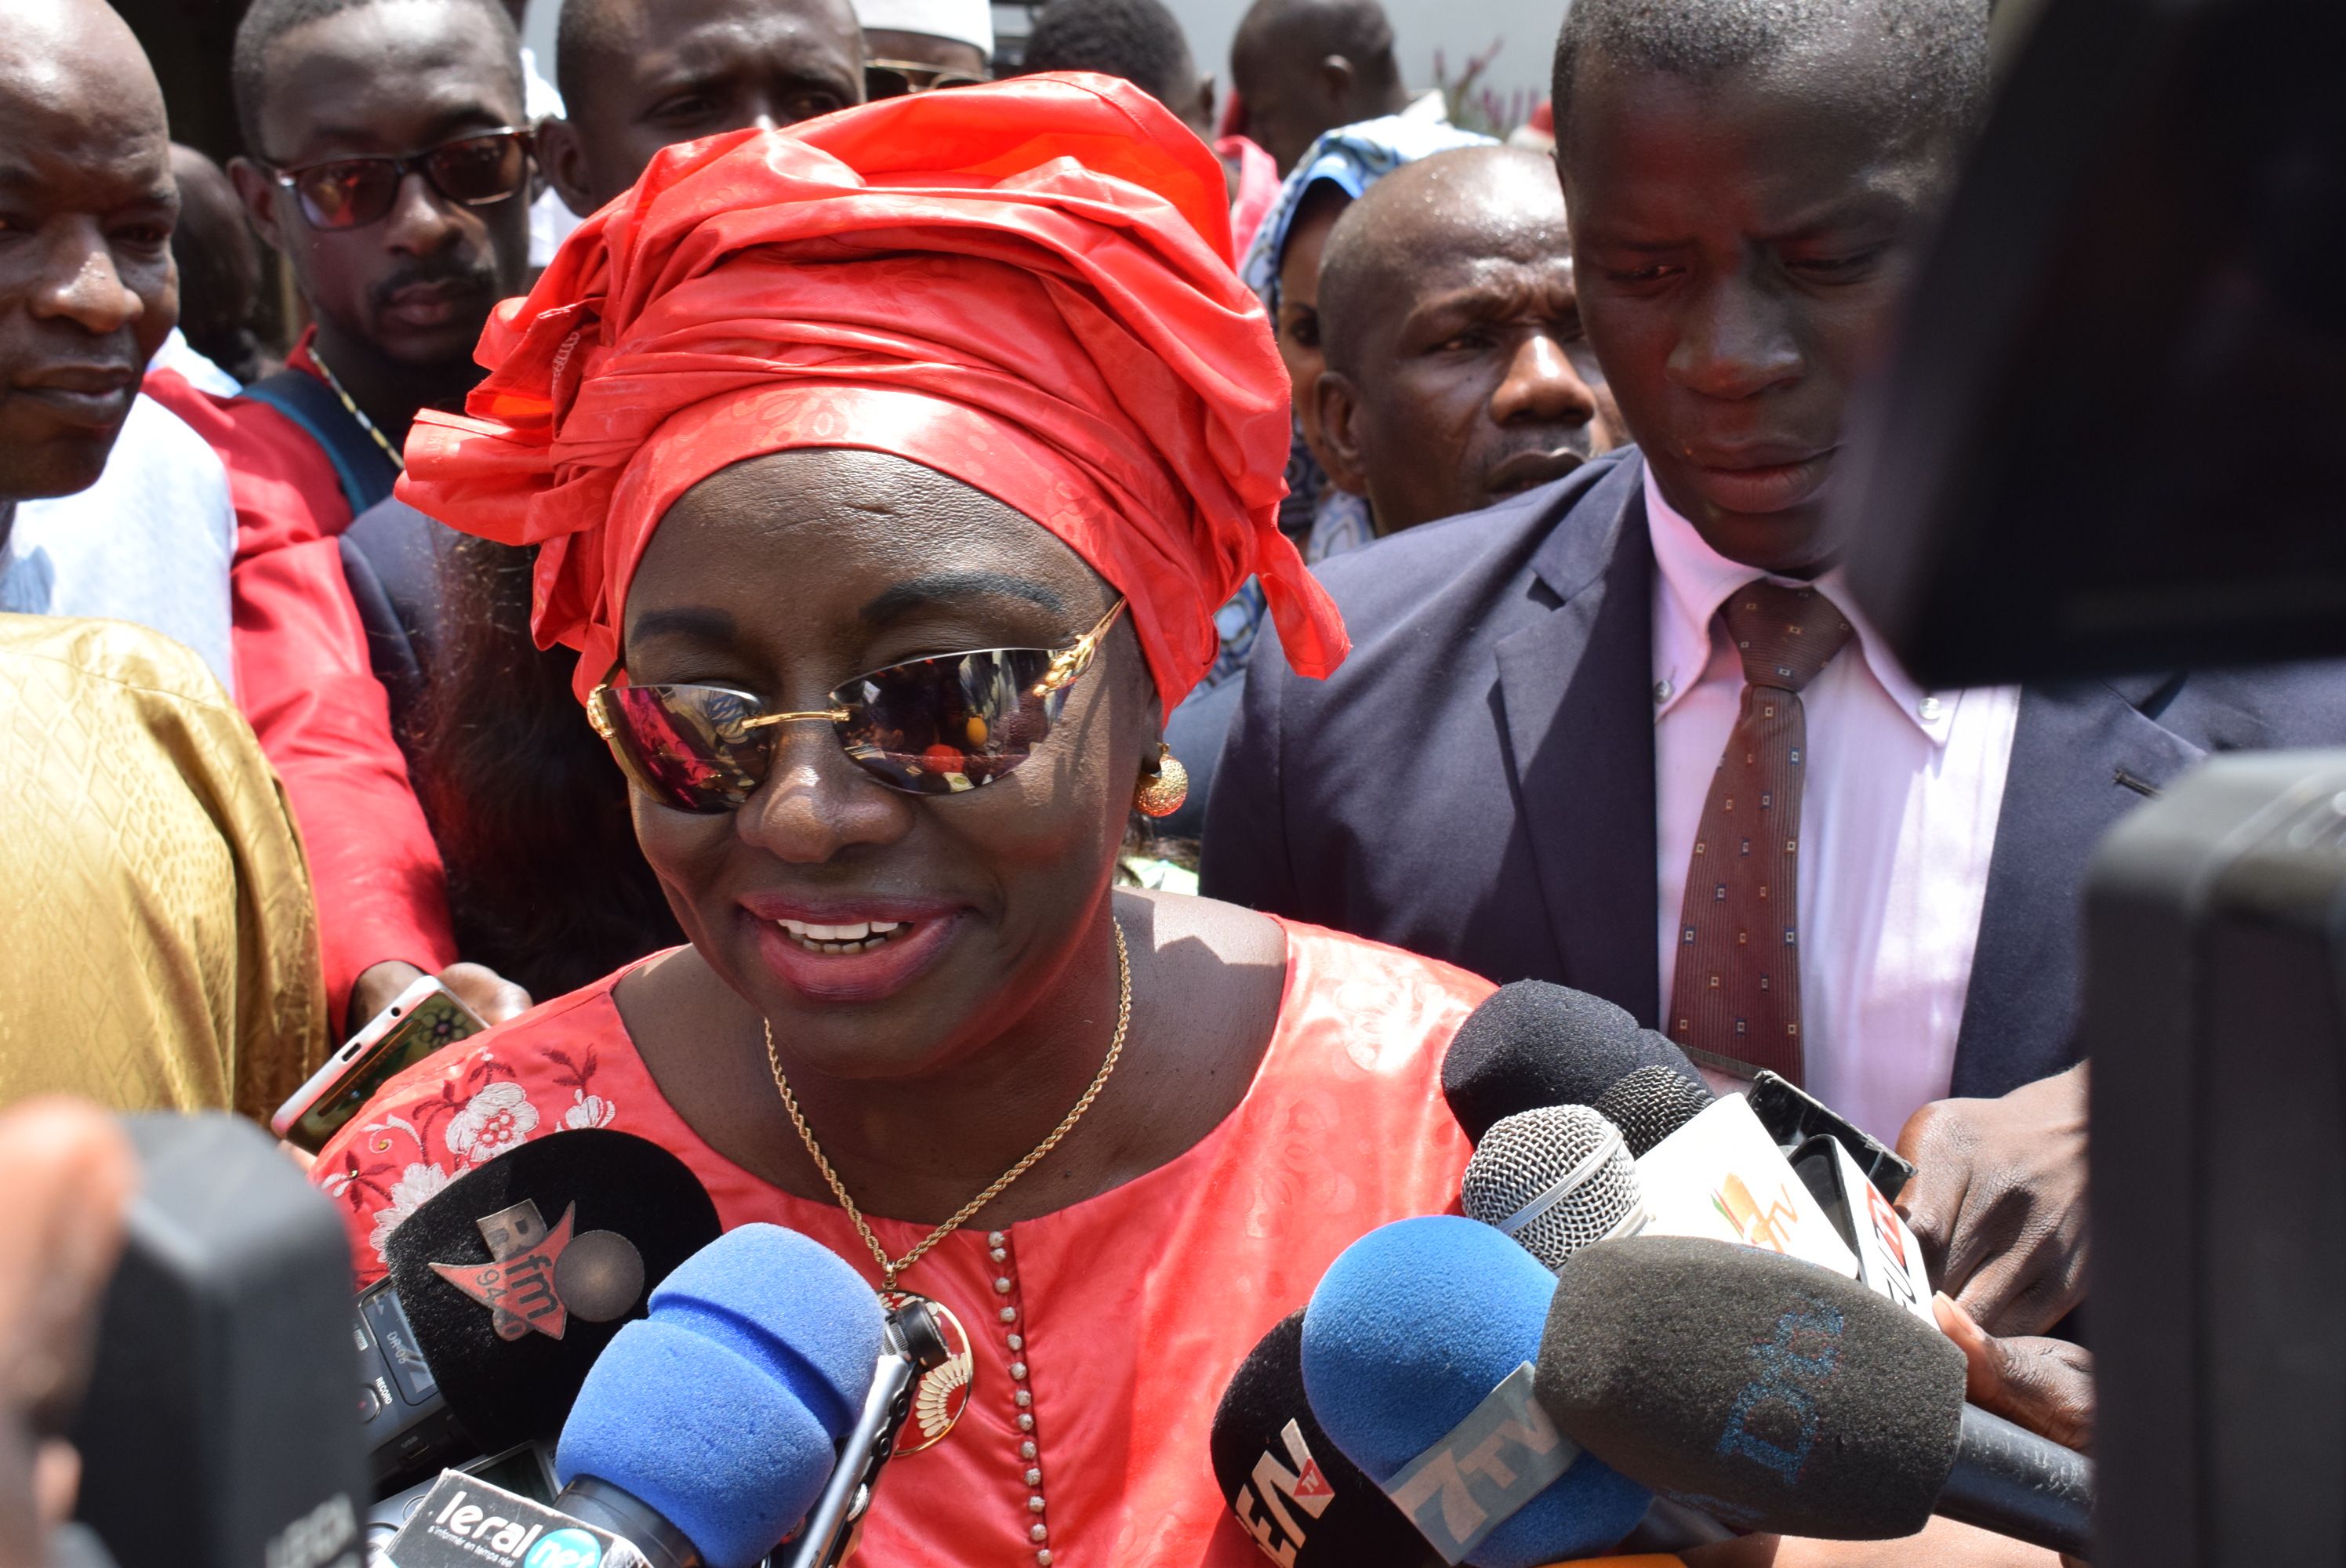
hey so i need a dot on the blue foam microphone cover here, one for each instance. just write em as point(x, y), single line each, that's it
point(1411, 1329)
point(722, 1412)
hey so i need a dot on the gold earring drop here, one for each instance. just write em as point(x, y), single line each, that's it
point(1164, 787)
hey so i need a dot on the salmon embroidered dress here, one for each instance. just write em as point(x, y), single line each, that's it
point(1104, 1333)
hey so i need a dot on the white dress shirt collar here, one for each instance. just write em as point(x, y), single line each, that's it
point(1693, 580)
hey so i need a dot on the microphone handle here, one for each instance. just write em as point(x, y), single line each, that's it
point(867, 1446)
point(2009, 1480)
point(592, 1500)
point(1670, 1528)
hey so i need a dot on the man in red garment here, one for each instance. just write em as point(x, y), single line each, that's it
point(390, 166)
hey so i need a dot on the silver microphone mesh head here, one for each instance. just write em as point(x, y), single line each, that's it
point(1556, 1178)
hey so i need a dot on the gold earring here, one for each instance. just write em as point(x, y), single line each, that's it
point(1164, 787)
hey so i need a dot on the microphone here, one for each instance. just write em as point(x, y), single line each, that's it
point(1416, 1352)
point(1305, 1504)
point(1889, 1257)
point(1654, 1101)
point(915, 1343)
point(1784, 1399)
point(1721, 1176)
point(505, 1285)
point(705, 1433)
point(1556, 1179)
point(1531, 1043)
point(1793, 1117)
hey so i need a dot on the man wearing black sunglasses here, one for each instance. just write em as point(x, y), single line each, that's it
point(638, 75)
point(923, 45)
point(388, 164)
point(387, 153)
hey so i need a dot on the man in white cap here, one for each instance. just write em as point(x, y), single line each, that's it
point(919, 46)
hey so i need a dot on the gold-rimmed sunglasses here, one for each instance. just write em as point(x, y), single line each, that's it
point(937, 726)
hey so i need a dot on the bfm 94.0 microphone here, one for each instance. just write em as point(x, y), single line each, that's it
point(705, 1433)
point(1785, 1398)
point(1306, 1505)
point(505, 1285)
point(1532, 1044)
point(1416, 1352)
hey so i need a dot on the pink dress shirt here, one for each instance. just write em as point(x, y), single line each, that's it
point(1898, 820)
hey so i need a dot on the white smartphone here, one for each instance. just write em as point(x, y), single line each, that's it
point(421, 1020)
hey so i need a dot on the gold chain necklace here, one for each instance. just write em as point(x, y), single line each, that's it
point(888, 1271)
point(366, 423)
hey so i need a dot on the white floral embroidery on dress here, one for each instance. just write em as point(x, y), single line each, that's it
point(497, 1118)
point(1390, 1019)
point(408, 1193)
point(589, 1110)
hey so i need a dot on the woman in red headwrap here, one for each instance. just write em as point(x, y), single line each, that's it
point(797, 426)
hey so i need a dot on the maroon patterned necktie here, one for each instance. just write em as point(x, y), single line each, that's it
point(1736, 1002)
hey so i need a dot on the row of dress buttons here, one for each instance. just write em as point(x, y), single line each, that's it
point(997, 1244)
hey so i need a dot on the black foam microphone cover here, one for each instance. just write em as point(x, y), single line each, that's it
point(1255, 1464)
point(1769, 1392)
point(628, 1194)
point(1531, 1043)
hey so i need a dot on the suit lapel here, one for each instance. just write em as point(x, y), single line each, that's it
point(1578, 724)
point(2083, 755)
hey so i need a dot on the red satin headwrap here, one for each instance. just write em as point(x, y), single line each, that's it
point(1025, 286)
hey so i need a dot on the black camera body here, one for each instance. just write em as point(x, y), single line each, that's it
point(217, 1432)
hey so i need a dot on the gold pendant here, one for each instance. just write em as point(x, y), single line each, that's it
point(941, 1394)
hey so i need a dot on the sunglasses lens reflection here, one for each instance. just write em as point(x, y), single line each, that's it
point(357, 191)
point(932, 726)
point(479, 171)
point(688, 746)
point(348, 195)
point(942, 725)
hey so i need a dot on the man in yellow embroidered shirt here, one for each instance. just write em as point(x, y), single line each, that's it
point(162, 942)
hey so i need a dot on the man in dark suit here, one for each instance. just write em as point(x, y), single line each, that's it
point(1629, 733)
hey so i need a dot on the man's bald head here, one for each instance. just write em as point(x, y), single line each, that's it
point(88, 293)
point(1457, 375)
point(1448, 213)
point(1304, 66)
point(638, 75)
point(86, 40)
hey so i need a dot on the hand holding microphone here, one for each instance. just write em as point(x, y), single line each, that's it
point(1999, 1201)
point(2044, 1385)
